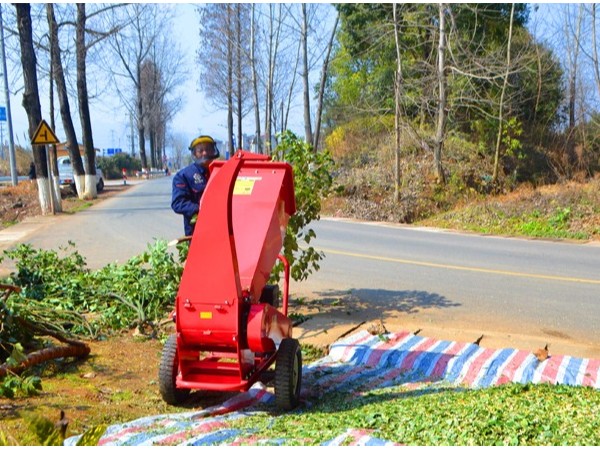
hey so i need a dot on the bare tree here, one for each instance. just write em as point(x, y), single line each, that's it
point(132, 46)
point(441, 109)
point(308, 21)
point(82, 47)
point(222, 60)
point(255, 93)
point(63, 98)
point(239, 74)
point(304, 40)
point(573, 57)
point(502, 94)
point(84, 107)
point(323, 82)
point(31, 101)
point(274, 32)
point(291, 88)
point(179, 146)
point(595, 60)
point(229, 21)
point(53, 169)
point(150, 80)
point(397, 102)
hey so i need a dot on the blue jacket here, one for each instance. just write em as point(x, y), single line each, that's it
point(188, 186)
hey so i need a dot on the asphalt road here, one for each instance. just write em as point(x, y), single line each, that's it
point(117, 228)
point(485, 285)
point(440, 282)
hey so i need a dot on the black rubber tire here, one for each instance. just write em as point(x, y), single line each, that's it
point(288, 374)
point(169, 367)
point(100, 185)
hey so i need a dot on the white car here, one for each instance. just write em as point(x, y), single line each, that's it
point(65, 173)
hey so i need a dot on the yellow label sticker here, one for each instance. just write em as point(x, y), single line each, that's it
point(205, 314)
point(244, 185)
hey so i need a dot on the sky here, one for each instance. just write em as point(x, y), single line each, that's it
point(111, 123)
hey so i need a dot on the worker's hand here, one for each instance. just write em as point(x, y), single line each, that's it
point(194, 219)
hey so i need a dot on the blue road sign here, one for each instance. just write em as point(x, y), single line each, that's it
point(3, 113)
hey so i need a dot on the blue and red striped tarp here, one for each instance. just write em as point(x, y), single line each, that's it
point(358, 364)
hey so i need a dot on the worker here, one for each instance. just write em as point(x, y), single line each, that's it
point(189, 183)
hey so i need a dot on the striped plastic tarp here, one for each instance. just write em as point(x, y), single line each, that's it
point(358, 364)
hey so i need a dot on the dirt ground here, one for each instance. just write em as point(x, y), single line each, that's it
point(115, 383)
point(118, 381)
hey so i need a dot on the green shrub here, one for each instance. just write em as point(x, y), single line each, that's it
point(139, 292)
point(312, 182)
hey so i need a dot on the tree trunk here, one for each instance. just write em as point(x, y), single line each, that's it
point(230, 145)
point(152, 137)
point(397, 98)
point(324, 70)
point(258, 140)
point(84, 107)
point(46, 354)
point(595, 61)
point(53, 175)
point(441, 113)
point(285, 115)
point(269, 93)
point(239, 76)
point(63, 100)
point(273, 50)
point(140, 120)
point(31, 102)
point(502, 93)
point(571, 157)
point(304, 38)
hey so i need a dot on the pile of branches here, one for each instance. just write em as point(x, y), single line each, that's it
point(32, 332)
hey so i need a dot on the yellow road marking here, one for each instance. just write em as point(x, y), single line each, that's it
point(463, 268)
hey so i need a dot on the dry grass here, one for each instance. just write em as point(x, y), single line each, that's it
point(364, 190)
point(18, 202)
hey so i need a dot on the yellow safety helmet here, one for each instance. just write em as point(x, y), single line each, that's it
point(202, 140)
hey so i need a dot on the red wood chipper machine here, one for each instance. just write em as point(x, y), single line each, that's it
point(229, 327)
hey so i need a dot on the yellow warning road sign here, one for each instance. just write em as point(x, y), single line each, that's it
point(44, 135)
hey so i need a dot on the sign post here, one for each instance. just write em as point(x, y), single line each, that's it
point(45, 136)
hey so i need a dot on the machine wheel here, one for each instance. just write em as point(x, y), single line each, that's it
point(169, 367)
point(288, 374)
point(100, 185)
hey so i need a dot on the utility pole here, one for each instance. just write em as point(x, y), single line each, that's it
point(11, 143)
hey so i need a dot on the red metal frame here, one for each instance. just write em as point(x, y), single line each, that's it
point(226, 338)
